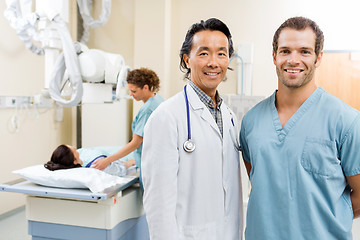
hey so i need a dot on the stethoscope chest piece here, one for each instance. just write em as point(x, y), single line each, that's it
point(189, 146)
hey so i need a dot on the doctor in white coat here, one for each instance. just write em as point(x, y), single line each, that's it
point(195, 193)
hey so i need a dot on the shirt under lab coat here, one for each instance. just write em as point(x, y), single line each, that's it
point(191, 195)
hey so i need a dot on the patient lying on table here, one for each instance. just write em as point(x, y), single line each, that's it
point(66, 156)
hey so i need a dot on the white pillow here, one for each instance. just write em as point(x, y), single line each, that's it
point(96, 180)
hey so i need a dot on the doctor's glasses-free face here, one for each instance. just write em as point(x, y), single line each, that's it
point(208, 59)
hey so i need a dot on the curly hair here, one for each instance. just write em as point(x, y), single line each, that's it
point(300, 23)
point(144, 76)
point(61, 158)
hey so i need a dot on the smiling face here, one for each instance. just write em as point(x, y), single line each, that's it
point(295, 58)
point(208, 60)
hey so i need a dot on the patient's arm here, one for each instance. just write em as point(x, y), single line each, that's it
point(102, 163)
point(129, 163)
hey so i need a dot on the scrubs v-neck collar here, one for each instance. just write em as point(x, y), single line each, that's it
point(283, 131)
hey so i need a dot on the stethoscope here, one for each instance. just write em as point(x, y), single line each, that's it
point(189, 145)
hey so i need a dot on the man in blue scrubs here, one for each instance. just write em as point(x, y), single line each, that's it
point(301, 148)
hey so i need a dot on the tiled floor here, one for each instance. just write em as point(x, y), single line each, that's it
point(14, 227)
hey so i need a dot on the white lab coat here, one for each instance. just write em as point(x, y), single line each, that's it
point(191, 195)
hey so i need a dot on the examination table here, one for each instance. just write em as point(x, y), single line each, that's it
point(61, 213)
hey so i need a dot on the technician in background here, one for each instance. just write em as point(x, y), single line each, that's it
point(301, 148)
point(143, 84)
point(190, 161)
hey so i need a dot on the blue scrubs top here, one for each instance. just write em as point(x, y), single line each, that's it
point(299, 189)
point(140, 120)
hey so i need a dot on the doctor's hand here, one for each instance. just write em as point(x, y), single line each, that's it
point(100, 163)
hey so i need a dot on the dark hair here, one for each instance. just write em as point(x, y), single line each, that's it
point(300, 23)
point(144, 76)
point(61, 158)
point(211, 24)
